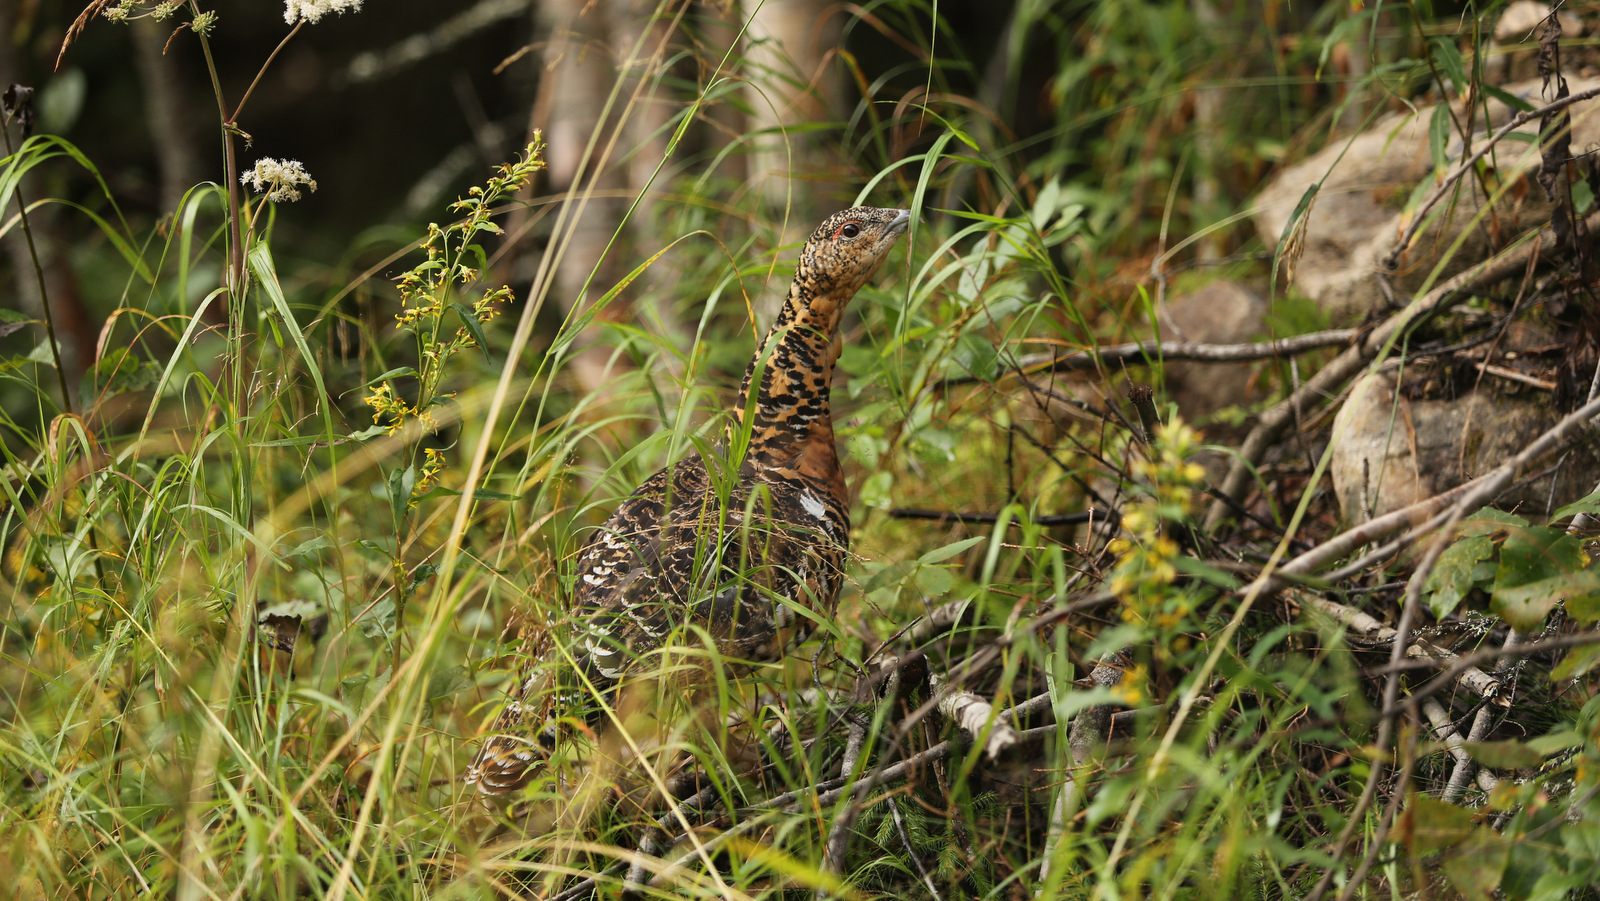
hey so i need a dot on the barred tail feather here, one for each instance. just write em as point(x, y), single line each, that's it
point(505, 764)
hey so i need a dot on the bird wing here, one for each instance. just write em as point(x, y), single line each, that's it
point(664, 560)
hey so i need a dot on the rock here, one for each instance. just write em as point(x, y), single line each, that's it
point(1221, 312)
point(1388, 455)
point(1367, 180)
point(1514, 52)
point(1523, 20)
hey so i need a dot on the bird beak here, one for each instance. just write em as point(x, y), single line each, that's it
point(901, 222)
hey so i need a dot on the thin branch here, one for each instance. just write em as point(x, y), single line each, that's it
point(1135, 353)
point(1059, 519)
point(1452, 674)
point(916, 859)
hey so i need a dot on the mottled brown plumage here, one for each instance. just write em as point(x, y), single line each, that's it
point(752, 572)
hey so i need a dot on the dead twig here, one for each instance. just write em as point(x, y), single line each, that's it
point(1135, 353)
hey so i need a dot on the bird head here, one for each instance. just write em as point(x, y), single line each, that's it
point(849, 246)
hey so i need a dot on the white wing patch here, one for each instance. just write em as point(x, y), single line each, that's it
point(810, 504)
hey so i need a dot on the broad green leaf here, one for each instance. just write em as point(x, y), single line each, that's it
point(1589, 503)
point(875, 490)
point(1535, 553)
point(1455, 574)
point(1430, 825)
point(1524, 607)
point(1555, 742)
point(1490, 521)
point(1503, 755)
point(1578, 661)
point(935, 581)
point(378, 622)
point(1478, 866)
point(941, 554)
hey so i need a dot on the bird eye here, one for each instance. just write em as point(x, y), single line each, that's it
point(849, 230)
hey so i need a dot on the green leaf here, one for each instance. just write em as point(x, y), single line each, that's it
point(941, 554)
point(1430, 825)
point(474, 327)
point(422, 573)
point(379, 621)
point(260, 262)
point(1508, 98)
point(401, 481)
point(1555, 742)
point(482, 494)
point(1585, 608)
point(1490, 521)
point(1524, 607)
point(1538, 567)
point(875, 490)
point(1503, 755)
point(1582, 197)
point(1589, 503)
point(447, 682)
point(1439, 139)
point(1448, 55)
point(1455, 574)
point(306, 548)
point(1477, 867)
point(395, 373)
point(1205, 572)
point(935, 581)
point(1578, 662)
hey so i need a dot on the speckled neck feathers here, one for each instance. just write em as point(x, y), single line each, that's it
point(795, 363)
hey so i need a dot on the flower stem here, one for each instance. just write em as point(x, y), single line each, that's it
point(264, 66)
point(229, 163)
point(38, 273)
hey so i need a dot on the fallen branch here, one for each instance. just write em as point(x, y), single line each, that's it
point(1135, 353)
point(972, 714)
point(1470, 677)
point(1465, 765)
point(1452, 673)
point(1058, 519)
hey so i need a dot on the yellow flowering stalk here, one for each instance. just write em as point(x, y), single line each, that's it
point(444, 308)
point(443, 288)
point(1145, 571)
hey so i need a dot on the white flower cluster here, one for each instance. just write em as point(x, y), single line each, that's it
point(280, 180)
point(312, 11)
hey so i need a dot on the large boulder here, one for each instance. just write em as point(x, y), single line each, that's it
point(1367, 181)
point(1392, 451)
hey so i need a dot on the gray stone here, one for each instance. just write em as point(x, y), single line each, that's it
point(1221, 312)
point(1390, 454)
point(1366, 181)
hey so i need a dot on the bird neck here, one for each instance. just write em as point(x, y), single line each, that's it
point(795, 365)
